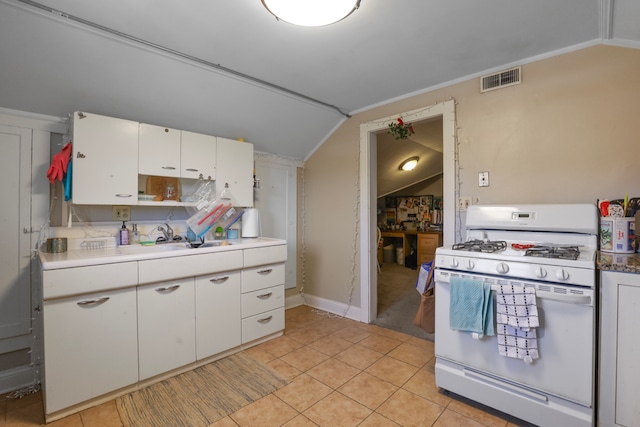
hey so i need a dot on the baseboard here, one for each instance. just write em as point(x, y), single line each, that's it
point(323, 304)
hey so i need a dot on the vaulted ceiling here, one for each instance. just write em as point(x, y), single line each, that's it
point(229, 68)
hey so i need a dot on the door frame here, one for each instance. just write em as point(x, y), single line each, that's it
point(368, 191)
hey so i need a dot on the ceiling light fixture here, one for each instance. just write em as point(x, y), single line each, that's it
point(311, 13)
point(409, 164)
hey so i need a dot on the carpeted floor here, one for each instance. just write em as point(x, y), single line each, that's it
point(200, 397)
point(398, 300)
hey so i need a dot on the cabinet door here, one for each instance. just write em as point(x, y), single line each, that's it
point(159, 151)
point(197, 156)
point(234, 169)
point(15, 287)
point(218, 316)
point(90, 346)
point(166, 325)
point(105, 160)
point(619, 349)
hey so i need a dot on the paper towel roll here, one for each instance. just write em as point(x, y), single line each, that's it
point(251, 223)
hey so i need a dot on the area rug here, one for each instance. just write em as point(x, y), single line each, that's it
point(202, 396)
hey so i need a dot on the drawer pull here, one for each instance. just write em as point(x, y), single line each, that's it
point(265, 296)
point(168, 168)
point(93, 301)
point(219, 279)
point(123, 195)
point(191, 170)
point(267, 271)
point(167, 288)
point(265, 319)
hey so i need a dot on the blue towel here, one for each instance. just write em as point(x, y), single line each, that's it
point(67, 183)
point(471, 306)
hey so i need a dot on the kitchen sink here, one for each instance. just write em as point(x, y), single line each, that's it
point(145, 249)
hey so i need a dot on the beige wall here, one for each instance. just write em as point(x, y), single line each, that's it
point(568, 133)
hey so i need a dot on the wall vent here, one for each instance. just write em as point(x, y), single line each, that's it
point(501, 79)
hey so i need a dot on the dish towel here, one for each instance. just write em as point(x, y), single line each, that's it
point(471, 307)
point(517, 320)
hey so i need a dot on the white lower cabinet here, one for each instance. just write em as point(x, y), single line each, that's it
point(619, 375)
point(166, 325)
point(90, 346)
point(163, 314)
point(218, 316)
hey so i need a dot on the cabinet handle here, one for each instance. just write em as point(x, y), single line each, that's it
point(219, 279)
point(265, 296)
point(171, 168)
point(267, 271)
point(265, 319)
point(93, 301)
point(191, 170)
point(123, 195)
point(167, 288)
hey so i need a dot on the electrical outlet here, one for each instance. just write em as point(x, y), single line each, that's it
point(483, 179)
point(121, 213)
point(464, 203)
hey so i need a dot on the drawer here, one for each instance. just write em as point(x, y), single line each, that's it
point(265, 255)
point(161, 270)
point(425, 258)
point(84, 280)
point(261, 325)
point(263, 300)
point(428, 242)
point(262, 277)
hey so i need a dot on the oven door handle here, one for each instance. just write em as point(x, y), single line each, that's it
point(565, 298)
point(570, 299)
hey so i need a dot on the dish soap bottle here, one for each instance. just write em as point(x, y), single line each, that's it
point(135, 235)
point(124, 235)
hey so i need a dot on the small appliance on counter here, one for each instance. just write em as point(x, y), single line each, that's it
point(251, 223)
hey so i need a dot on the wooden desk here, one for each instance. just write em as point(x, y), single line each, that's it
point(427, 242)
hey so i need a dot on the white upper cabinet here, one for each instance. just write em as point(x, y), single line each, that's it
point(105, 160)
point(197, 156)
point(159, 151)
point(234, 172)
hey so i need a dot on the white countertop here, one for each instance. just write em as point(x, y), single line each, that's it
point(116, 254)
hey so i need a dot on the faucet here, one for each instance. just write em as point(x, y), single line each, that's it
point(168, 233)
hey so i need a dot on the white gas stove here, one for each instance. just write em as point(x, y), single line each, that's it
point(550, 249)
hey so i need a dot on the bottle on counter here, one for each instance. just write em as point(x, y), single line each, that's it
point(124, 235)
point(135, 235)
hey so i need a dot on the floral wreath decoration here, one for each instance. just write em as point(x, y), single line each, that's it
point(400, 130)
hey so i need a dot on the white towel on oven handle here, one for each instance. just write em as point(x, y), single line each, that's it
point(516, 306)
point(516, 318)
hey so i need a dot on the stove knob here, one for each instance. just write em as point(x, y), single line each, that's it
point(541, 273)
point(470, 264)
point(454, 263)
point(502, 268)
point(562, 274)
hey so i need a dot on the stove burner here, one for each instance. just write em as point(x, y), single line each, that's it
point(559, 252)
point(476, 245)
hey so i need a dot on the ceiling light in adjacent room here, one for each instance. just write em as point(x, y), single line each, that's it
point(409, 164)
point(311, 13)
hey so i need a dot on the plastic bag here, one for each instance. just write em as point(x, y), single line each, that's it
point(425, 282)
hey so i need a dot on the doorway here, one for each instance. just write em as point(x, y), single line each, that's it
point(368, 194)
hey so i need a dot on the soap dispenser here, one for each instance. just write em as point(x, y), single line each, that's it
point(135, 235)
point(124, 235)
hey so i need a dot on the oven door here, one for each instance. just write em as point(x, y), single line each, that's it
point(565, 340)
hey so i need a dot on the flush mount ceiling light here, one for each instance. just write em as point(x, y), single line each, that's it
point(311, 13)
point(409, 164)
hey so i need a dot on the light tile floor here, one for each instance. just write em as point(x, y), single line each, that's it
point(341, 372)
